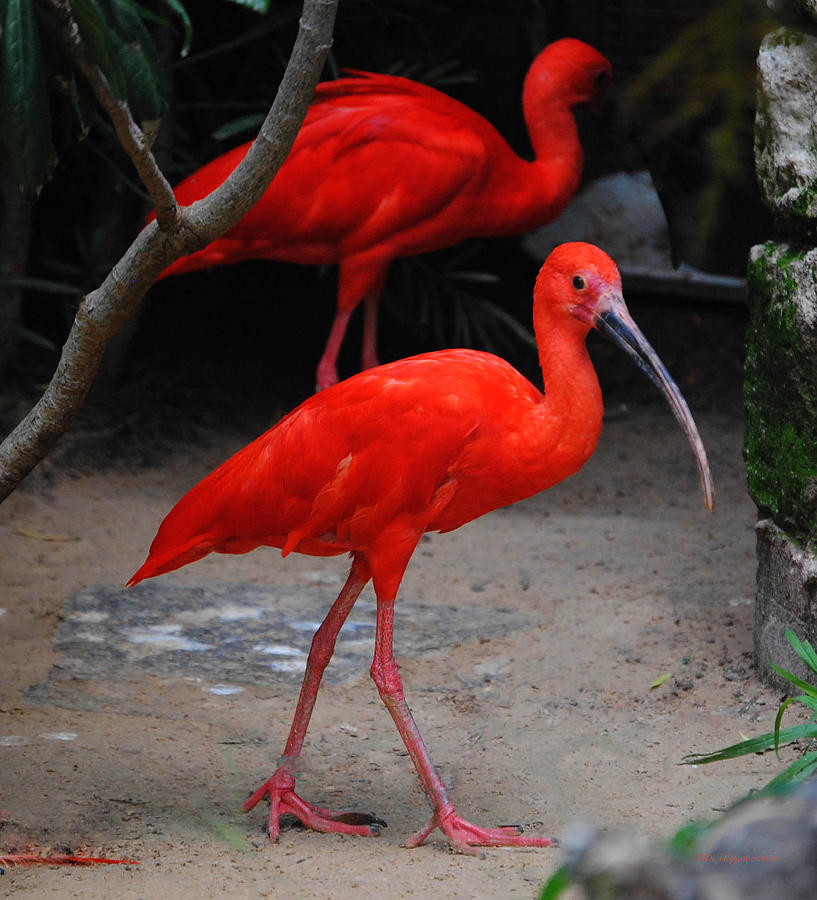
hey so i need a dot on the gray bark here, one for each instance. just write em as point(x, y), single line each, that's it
point(177, 232)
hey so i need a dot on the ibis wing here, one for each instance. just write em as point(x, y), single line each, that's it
point(401, 444)
point(381, 165)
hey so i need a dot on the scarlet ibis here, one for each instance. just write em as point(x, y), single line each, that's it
point(422, 444)
point(384, 167)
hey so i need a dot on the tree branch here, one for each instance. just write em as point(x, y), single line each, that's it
point(103, 311)
point(130, 135)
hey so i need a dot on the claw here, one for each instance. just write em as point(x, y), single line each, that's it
point(280, 789)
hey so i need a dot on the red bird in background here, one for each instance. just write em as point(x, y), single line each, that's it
point(384, 167)
point(423, 444)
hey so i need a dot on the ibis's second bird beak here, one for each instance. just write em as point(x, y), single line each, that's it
point(612, 318)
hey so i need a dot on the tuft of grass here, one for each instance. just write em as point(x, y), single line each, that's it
point(806, 765)
point(685, 840)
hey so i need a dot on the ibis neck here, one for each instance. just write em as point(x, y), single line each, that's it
point(552, 127)
point(572, 408)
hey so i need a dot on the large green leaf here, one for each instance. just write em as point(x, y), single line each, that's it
point(146, 94)
point(140, 61)
point(102, 42)
point(126, 18)
point(24, 112)
point(124, 49)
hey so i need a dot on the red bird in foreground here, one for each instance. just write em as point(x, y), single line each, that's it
point(384, 167)
point(421, 444)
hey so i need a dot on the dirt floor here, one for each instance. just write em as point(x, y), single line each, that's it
point(533, 690)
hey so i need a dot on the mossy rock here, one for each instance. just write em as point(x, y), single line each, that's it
point(785, 139)
point(780, 390)
point(785, 599)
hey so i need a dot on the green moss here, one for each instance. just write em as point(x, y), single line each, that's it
point(781, 393)
point(804, 203)
point(788, 255)
point(794, 211)
point(785, 37)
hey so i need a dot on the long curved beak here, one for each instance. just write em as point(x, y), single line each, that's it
point(611, 317)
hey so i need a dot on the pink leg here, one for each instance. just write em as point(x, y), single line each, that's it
point(327, 373)
point(462, 834)
point(280, 788)
point(368, 359)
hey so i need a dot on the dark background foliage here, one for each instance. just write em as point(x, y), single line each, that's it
point(250, 335)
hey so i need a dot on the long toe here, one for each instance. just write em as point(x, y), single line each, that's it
point(465, 836)
point(331, 821)
point(284, 800)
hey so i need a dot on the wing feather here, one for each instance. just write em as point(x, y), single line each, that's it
point(338, 471)
point(423, 153)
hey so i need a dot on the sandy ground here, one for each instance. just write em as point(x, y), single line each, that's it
point(609, 580)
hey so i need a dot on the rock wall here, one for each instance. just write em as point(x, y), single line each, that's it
point(781, 361)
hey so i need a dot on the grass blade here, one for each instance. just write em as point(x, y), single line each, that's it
point(777, 719)
point(803, 649)
point(556, 885)
point(798, 771)
point(797, 682)
point(758, 744)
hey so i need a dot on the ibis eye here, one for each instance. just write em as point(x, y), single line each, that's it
point(579, 283)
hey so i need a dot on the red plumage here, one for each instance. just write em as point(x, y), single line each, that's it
point(384, 167)
point(334, 474)
point(428, 443)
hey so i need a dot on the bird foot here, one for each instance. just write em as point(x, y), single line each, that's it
point(280, 789)
point(467, 837)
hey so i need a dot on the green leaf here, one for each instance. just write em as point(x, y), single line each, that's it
point(24, 108)
point(796, 772)
point(810, 702)
point(557, 884)
point(140, 60)
point(661, 680)
point(148, 15)
point(102, 42)
point(259, 6)
point(685, 839)
point(250, 122)
point(124, 50)
point(126, 19)
point(777, 720)
point(758, 744)
point(144, 79)
point(798, 682)
point(187, 25)
point(146, 90)
point(803, 649)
